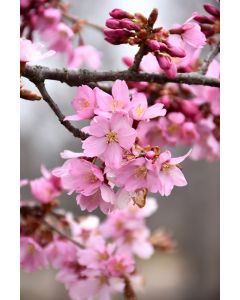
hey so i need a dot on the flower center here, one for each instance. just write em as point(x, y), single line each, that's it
point(116, 104)
point(111, 137)
point(139, 111)
point(172, 128)
point(165, 167)
point(31, 249)
point(91, 178)
point(141, 172)
point(83, 104)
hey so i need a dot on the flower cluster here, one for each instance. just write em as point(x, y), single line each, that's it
point(193, 112)
point(167, 45)
point(48, 19)
point(93, 259)
point(114, 166)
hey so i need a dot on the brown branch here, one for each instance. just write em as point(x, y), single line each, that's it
point(51, 227)
point(207, 61)
point(129, 293)
point(74, 19)
point(46, 97)
point(76, 78)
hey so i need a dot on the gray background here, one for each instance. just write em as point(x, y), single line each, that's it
point(191, 213)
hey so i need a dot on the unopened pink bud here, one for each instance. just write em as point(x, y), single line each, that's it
point(128, 24)
point(150, 154)
point(189, 108)
point(113, 23)
point(120, 14)
point(176, 52)
point(203, 19)
point(212, 10)
point(164, 61)
point(127, 60)
point(153, 45)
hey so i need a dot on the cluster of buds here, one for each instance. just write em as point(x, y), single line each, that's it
point(168, 46)
point(210, 25)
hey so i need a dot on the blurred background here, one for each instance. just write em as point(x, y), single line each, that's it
point(190, 214)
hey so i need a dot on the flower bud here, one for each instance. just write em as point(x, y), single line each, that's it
point(153, 45)
point(128, 24)
point(120, 14)
point(127, 60)
point(203, 19)
point(150, 154)
point(113, 23)
point(176, 52)
point(189, 108)
point(164, 61)
point(153, 17)
point(212, 10)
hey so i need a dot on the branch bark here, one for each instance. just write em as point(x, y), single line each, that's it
point(75, 78)
point(46, 97)
point(211, 55)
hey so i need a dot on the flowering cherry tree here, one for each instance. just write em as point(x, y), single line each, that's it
point(167, 95)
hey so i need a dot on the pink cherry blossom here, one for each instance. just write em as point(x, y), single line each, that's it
point(58, 37)
point(80, 175)
point(139, 109)
point(109, 137)
point(46, 188)
point(118, 102)
point(136, 174)
point(84, 54)
point(33, 51)
point(84, 103)
point(170, 174)
point(120, 265)
point(32, 255)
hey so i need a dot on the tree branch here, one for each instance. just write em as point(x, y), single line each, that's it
point(76, 78)
point(52, 228)
point(46, 97)
point(211, 55)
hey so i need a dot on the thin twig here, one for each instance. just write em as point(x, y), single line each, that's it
point(78, 77)
point(75, 131)
point(138, 58)
point(207, 61)
point(51, 227)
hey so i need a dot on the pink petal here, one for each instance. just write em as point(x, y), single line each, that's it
point(72, 118)
point(99, 127)
point(126, 138)
point(154, 111)
point(177, 176)
point(107, 194)
point(178, 160)
point(94, 146)
point(104, 100)
point(120, 92)
point(113, 155)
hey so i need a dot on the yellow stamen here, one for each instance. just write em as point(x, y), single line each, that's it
point(139, 110)
point(111, 137)
point(141, 172)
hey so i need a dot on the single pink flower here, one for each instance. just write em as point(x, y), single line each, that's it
point(46, 188)
point(85, 54)
point(170, 174)
point(33, 51)
point(84, 103)
point(80, 175)
point(120, 264)
point(58, 37)
point(109, 137)
point(118, 102)
point(139, 109)
point(32, 255)
point(137, 173)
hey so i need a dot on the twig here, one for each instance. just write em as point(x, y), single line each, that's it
point(76, 78)
point(129, 293)
point(207, 61)
point(51, 227)
point(138, 58)
point(75, 131)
